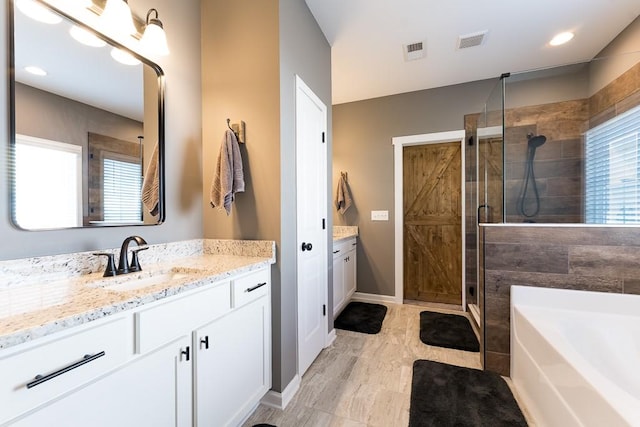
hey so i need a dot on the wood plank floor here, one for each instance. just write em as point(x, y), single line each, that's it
point(364, 380)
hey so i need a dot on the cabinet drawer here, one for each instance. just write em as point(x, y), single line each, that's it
point(60, 365)
point(251, 287)
point(163, 323)
point(339, 249)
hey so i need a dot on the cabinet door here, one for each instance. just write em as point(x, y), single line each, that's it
point(338, 284)
point(350, 274)
point(232, 365)
point(153, 390)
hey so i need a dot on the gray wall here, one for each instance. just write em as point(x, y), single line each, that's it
point(183, 147)
point(362, 133)
point(250, 76)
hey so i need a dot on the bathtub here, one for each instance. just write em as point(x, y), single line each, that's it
point(575, 356)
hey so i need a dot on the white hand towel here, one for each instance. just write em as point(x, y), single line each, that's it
point(151, 184)
point(343, 195)
point(228, 177)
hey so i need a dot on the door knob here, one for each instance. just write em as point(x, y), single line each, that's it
point(306, 246)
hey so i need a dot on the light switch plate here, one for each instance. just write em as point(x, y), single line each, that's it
point(379, 215)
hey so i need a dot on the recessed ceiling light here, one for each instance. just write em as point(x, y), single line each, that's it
point(86, 37)
point(38, 12)
point(561, 38)
point(37, 71)
point(123, 57)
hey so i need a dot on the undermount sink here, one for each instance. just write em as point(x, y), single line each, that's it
point(143, 279)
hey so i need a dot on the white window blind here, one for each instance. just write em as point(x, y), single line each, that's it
point(48, 183)
point(612, 171)
point(122, 186)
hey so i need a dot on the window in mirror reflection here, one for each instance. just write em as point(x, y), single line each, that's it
point(612, 171)
point(122, 186)
point(48, 179)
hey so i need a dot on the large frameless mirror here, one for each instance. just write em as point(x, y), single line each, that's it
point(87, 127)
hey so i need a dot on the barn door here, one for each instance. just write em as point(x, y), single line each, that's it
point(432, 223)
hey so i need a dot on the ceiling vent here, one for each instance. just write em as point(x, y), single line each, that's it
point(414, 51)
point(471, 40)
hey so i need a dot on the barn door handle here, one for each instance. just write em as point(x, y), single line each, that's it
point(306, 246)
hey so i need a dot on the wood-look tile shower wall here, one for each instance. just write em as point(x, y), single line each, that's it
point(603, 259)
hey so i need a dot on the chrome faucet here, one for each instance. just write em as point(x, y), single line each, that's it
point(123, 263)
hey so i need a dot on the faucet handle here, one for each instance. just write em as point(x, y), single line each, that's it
point(111, 264)
point(135, 263)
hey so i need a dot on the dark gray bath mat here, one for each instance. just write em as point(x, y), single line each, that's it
point(447, 330)
point(361, 317)
point(264, 425)
point(447, 396)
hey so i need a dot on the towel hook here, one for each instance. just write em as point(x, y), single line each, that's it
point(238, 130)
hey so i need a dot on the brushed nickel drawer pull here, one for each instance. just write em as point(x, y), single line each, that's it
point(39, 379)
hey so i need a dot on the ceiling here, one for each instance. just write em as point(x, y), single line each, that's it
point(367, 39)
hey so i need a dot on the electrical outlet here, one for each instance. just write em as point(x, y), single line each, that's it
point(379, 215)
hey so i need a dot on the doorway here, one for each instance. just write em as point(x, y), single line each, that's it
point(429, 231)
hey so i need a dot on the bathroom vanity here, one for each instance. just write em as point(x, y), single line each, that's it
point(344, 266)
point(190, 348)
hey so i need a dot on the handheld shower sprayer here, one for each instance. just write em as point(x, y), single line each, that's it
point(533, 142)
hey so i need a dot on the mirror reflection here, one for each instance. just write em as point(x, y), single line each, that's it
point(87, 129)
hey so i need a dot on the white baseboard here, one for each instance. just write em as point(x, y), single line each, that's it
point(331, 337)
point(278, 400)
point(362, 297)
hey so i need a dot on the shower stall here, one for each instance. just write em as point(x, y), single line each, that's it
point(552, 146)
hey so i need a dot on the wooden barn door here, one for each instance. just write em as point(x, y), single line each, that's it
point(432, 223)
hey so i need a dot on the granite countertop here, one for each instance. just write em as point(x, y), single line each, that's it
point(41, 306)
point(341, 233)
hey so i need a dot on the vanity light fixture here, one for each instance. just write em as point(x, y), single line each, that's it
point(36, 71)
point(85, 37)
point(561, 38)
point(154, 39)
point(117, 17)
point(35, 10)
point(124, 57)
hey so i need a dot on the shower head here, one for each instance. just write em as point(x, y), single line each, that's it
point(536, 141)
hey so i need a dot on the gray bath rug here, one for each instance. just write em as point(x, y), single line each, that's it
point(447, 396)
point(361, 317)
point(447, 330)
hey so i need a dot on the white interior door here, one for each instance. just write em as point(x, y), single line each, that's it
point(311, 180)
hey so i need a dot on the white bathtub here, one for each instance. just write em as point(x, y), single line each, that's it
point(575, 356)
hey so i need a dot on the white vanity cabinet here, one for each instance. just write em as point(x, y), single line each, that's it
point(202, 357)
point(232, 367)
point(344, 273)
point(151, 390)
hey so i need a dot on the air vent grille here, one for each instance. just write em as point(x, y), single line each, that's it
point(471, 40)
point(414, 47)
point(413, 51)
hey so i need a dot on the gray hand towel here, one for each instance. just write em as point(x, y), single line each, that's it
point(228, 177)
point(343, 195)
point(150, 185)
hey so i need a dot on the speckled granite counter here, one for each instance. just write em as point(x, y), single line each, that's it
point(341, 232)
point(40, 296)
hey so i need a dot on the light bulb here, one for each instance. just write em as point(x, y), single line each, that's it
point(124, 57)
point(38, 12)
point(117, 17)
point(85, 37)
